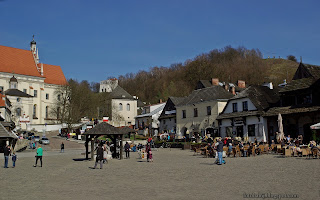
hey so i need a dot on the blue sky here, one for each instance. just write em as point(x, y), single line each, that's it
point(93, 40)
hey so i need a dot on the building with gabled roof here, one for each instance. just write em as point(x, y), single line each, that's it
point(167, 119)
point(197, 113)
point(29, 85)
point(299, 104)
point(122, 106)
point(5, 108)
point(148, 122)
point(243, 115)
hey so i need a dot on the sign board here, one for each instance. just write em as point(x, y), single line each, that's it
point(24, 119)
point(238, 120)
point(105, 119)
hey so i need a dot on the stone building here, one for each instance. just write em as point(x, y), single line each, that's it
point(122, 107)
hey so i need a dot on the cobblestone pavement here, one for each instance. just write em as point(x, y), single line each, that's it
point(174, 174)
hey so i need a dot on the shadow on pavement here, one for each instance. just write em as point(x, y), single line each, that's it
point(79, 159)
point(208, 164)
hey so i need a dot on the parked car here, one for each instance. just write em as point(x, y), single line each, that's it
point(37, 138)
point(44, 140)
point(30, 134)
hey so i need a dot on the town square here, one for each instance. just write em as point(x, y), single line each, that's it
point(159, 99)
point(174, 174)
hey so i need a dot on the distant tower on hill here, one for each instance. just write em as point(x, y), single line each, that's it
point(108, 85)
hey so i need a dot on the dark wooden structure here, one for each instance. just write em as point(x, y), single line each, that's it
point(7, 135)
point(299, 104)
point(104, 129)
point(126, 130)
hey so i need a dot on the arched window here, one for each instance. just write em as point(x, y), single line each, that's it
point(120, 106)
point(59, 97)
point(47, 112)
point(128, 107)
point(18, 112)
point(35, 111)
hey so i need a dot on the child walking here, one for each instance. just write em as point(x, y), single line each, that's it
point(14, 159)
point(150, 156)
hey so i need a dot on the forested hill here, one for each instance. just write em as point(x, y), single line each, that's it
point(228, 64)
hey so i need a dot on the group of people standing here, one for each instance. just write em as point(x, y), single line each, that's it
point(7, 154)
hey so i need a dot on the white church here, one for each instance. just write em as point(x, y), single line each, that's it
point(28, 86)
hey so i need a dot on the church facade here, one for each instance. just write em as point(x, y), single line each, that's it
point(29, 85)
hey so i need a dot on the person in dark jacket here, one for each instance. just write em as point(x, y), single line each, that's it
point(99, 157)
point(62, 147)
point(127, 149)
point(148, 150)
point(6, 153)
point(220, 150)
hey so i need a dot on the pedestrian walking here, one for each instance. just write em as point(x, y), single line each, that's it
point(14, 159)
point(148, 150)
point(99, 157)
point(127, 149)
point(105, 154)
point(6, 153)
point(62, 148)
point(150, 156)
point(39, 155)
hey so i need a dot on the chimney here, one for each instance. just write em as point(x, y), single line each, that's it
point(241, 84)
point(233, 90)
point(41, 69)
point(215, 81)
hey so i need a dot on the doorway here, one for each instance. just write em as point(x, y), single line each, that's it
point(240, 131)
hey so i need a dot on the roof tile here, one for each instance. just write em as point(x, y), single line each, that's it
point(17, 61)
point(54, 75)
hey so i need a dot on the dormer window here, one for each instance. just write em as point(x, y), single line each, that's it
point(13, 83)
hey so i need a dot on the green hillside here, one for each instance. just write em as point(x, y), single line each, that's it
point(228, 64)
point(280, 69)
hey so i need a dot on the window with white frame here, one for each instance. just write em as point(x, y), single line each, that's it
point(18, 112)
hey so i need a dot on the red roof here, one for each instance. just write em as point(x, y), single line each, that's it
point(20, 61)
point(2, 101)
point(17, 61)
point(54, 75)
